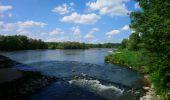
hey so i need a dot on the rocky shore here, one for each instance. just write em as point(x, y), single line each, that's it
point(16, 84)
point(150, 92)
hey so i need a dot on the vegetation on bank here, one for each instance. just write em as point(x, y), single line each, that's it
point(18, 42)
point(137, 60)
point(77, 45)
point(148, 47)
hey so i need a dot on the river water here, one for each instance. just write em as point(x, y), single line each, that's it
point(82, 74)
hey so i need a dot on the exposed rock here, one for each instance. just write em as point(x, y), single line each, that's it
point(8, 74)
point(147, 97)
point(149, 88)
point(146, 88)
point(5, 62)
point(25, 86)
point(18, 85)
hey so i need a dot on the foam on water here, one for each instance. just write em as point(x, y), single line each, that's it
point(97, 87)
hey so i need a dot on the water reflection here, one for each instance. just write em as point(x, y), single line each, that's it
point(95, 56)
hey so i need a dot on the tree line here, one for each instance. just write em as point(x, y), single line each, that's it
point(152, 34)
point(19, 42)
point(78, 45)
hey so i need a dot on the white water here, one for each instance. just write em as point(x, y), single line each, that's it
point(97, 87)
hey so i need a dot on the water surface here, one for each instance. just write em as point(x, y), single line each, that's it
point(83, 74)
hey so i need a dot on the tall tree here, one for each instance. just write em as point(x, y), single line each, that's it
point(133, 42)
point(152, 21)
point(124, 43)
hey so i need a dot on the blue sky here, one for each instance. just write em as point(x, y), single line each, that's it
point(92, 21)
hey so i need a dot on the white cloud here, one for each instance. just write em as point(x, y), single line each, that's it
point(118, 31)
point(137, 5)
point(81, 19)
point(110, 7)
point(23, 32)
point(56, 31)
point(7, 27)
point(60, 39)
point(63, 9)
point(125, 28)
point(89, 36)
point(18, 26)
point(30, 23)
point(76, 31)
point(113, 32)
point(93, 30)
point(4, 9)
point(26, 33)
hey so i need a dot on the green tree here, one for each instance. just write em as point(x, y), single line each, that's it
point(153, 24)
point(133, 42)
point(124, 43)
point(18, 42)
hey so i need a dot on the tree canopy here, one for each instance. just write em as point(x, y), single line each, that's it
point(152, 26)
point(77, 45)
point(19, 42)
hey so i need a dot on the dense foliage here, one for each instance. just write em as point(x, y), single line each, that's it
point(132, 43)
point(104, 45)
point(152, 38)
point(66, 45)
point(18, 42)
point(77, 45)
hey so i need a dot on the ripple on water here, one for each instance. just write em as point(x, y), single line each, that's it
point(106, 91)
point(106, 81)
point(107, 72)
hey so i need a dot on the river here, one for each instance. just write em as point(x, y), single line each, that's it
point(82, 74)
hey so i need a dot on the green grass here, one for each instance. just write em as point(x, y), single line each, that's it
point(136, 60)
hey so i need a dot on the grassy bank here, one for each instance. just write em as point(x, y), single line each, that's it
point(141, 62)
point(136, 60)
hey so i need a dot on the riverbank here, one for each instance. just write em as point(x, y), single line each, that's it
point(5, 62)
point(138, 61)
point(16, 84)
